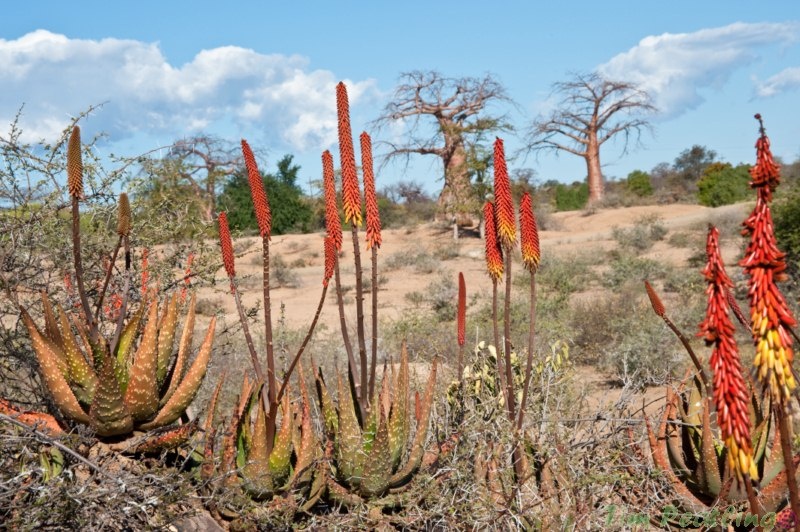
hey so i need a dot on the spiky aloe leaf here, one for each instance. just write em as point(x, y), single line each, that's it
point(418, 445)
point(82, 377)
point(229, 450)
point(48, 357)
point(671, 433)
point(167, 438)
point(166, 337)
point(256, 471)
point(184, 348)
point(399, 423)
point(37, 420)
point(328, 410)
point(125, 347)
point(110, 415)
point(244, 429)
point(306, 448)
point(51, 330)
point(187, 389)
point(350, 454)
point(141, 396)
point(378, 466)
point(280, 458)
point(207, 469)
point(687, 498)
point(709, 474)
point(93, 351)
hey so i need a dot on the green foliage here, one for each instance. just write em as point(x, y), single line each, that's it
point(723, 184)
point(786, 217)
point(291, 212)
point(641, 237)
point(638, 183)
point(571, 197)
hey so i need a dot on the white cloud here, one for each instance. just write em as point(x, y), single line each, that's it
point(786, 79)
point(56, 77)
point(673, 68)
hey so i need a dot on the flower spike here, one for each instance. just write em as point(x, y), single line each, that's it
point(257, 193)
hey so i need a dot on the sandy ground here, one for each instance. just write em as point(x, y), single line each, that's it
point(577, 232)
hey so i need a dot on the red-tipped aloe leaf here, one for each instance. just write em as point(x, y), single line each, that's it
point(184, 348)
point(280, 458)
point(125, 347)
point(418, 445)
point(166, 337)
point(306, 449)
point(168, 438)
point(187, 389)
point(37, 420)
point(50, 324)
point(49, 363)
point(141, 396)
point(328, 410)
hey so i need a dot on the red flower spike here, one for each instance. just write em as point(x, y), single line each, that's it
point(765, 264)
point(730, 391)
point(351, 197)
point(494, 253)
point(504, 206)
point(332, 222)
point(528, 234)
point(226, 244)
point(370, 198)
point(655, 301)
point(330, 260)
point(257, 193)
point(462, 310)
point(75, 164)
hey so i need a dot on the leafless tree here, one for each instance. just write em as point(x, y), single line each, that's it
point(592, 110)
point(199, 164)
point(458, 108)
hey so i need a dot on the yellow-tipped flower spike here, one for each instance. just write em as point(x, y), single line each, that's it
point(494, 253)
point(351, 196)
point(529, 234)
point(75, 164)
point(503, 204)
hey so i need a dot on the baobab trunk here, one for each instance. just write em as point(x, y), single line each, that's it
point(456, 189)
point(594, 175)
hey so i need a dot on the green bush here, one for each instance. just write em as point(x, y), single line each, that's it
point(786, 217)
point(638, 183)
point(290, 210)
point(723, 184)
point(646, 231)
point(571, 197)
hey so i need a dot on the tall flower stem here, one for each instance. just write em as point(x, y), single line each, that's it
point(374, 340)
point(529, 364)
point(348, 346)
point(507, 341)
point(271, 391)
point(788, 462)
point(362, 344)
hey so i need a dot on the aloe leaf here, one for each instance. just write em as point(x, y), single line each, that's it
point(399, 423)
point(110, 415)
point(280, 458)
point(141, 395)
point(378, 466)
point(164, 439)
point(166, 337)
point(348, 438)
point(418, 445)
point(50, 364)
point(328, 410)
point(256, 470)
point(82, 376)
point(307, 446)
point(187, 389)
point(184, 348)
point(51, 330)
point(709, 464)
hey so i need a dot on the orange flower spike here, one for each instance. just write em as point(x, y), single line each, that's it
point(332, 222)
point(330, 260)
point(764, 264)
point(655, 301)
point(351, 196)
point(504, 205)
point(730, 391)
point(226, 244)
point(75, 164)
point(528, 234)
point(462, 310)
point(494, 253)
point(257, 193)
point(370, 198)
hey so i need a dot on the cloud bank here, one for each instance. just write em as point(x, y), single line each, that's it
point(56, 77)
point(675, 67)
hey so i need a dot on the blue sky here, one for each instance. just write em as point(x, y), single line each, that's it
point(266, 71)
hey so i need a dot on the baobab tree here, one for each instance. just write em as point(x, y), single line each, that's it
point(591, 111)
point(458, 110)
